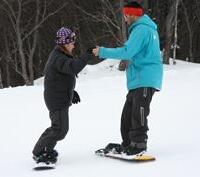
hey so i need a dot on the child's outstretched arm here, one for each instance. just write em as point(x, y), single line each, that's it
point(73, 66)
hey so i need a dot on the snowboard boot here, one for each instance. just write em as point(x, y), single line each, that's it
point(135, 148)
point(54, 153)
point(47, 157)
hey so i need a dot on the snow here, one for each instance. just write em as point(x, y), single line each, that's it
point(173, 137)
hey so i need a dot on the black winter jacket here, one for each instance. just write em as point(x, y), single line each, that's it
point(60, 78)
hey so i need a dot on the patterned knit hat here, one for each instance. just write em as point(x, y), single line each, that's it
point(65, 36)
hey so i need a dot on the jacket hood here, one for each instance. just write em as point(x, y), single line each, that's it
point(143, 20)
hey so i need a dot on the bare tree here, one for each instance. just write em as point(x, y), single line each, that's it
point(28, 31)
point(190, 31)
point(26, 34)
point(107, 14)
point(169, 31)
point(123, 64)
point(175, 46)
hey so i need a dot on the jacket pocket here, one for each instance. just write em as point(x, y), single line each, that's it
point(131, 73)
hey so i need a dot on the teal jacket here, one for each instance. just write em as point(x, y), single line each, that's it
point(142, 49)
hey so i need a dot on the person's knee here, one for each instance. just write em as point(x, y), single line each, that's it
point(61, 135)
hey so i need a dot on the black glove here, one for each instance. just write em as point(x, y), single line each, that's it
point(76, 99)
point(123, 65)
point(89, 50)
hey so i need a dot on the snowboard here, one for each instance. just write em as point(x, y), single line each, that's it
point(43, 166)
point(111, 151)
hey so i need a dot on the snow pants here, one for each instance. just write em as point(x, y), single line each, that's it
point(134, 124)
point(57, 131)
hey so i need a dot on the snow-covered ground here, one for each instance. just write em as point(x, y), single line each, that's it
point(174, 125)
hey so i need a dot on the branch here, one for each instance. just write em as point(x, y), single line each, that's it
point(87, 13)
point(43, 20)
point(198, 10)
point(10, 8)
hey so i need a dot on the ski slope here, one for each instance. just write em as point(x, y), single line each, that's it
point(173, 137)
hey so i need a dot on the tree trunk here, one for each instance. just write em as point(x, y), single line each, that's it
point(123, 63)
point(190, 32)
point(34, 44)
point(169, 33)
point(175, 31)
point(20, 44)
point(1, 84)
point(123, 24)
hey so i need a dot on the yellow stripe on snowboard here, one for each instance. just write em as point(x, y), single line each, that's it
point(144, 158)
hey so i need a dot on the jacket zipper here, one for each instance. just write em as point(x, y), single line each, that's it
point(142, 115)
point(145, 92)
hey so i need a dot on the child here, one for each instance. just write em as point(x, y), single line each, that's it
point(59, 82)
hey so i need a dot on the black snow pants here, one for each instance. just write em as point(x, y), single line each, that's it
point(57, 131)
point(134, 125)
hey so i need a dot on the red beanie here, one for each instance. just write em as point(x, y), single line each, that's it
point(133, 11)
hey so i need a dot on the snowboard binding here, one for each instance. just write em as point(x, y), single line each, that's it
point(111, 147)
